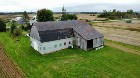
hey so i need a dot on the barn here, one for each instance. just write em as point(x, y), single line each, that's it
point(51, 36)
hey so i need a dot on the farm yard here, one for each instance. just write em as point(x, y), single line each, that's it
point(107, 62)
point(70, 39)
point(120, 57)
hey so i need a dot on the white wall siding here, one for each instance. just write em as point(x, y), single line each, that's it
point(48, 47)
point(35, 44)
point(52, 46)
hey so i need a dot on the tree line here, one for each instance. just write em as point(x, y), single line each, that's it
point(15, 13)
point(114, 14)
point(44, 15)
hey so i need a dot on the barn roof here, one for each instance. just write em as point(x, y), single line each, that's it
point(81, 27)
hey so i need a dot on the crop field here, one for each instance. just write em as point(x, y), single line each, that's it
point(134, 26)
point(109, 62)
point(7, 68)
point(121, 31)
point(89, 17)
point(80, 16)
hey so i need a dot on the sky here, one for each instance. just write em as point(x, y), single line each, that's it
point(70, 5)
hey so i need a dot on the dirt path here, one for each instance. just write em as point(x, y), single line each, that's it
point(123, 48)
point(7, 68)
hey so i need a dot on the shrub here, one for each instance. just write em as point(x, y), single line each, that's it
point(93, 15)
point(129, 21)
point(112, 17)
point(68, 17)
point(26, 26)
point(87, 20)
point(13, 26)
point(17, 32)
point(22, 27)
point(2, 26)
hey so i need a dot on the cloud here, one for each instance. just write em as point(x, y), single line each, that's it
point(99, 7)
point(34, 5)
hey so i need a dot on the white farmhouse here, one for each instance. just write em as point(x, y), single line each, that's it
point(19, 20)
point(47, 37)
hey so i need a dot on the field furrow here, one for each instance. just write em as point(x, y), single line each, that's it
point(7, 68)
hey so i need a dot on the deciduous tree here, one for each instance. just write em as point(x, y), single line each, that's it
point(25, 17)
point(2, 26)
point(44, 15)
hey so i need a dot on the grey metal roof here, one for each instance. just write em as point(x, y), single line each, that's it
point(81, 27)
point(51, 35)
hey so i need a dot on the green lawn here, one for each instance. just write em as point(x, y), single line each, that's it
point(71, 63)
point(123, 44)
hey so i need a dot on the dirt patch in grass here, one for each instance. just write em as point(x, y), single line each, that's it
point(7, 68)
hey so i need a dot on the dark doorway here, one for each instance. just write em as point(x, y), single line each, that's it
point(90, 44)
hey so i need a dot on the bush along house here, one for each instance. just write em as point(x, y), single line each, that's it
point(51, 36)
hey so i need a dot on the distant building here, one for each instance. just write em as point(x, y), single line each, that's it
point(20, 20)
point(47, 37)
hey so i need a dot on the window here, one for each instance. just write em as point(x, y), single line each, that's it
point(65, 43)
point(60, 44)
point(69, 42)
point(44, 48)
point(55, 46)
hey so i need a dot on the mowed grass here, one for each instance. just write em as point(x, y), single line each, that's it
point(125, 45)
point(71, 63)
